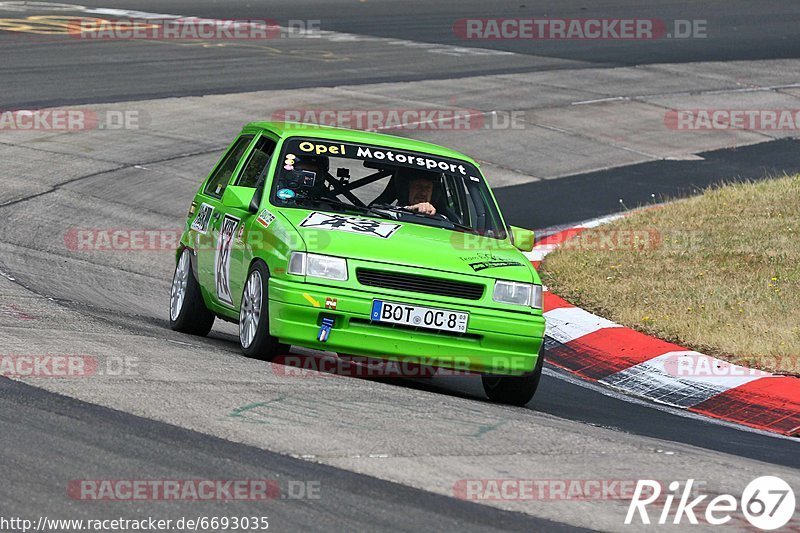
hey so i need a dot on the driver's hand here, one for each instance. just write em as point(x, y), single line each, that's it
point(423, 208)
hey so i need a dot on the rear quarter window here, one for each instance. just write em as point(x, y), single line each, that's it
point(221, 176)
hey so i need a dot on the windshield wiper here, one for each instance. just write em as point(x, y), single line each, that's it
point(444, 220)
point(351, 207)
point(380, 211)
point(464, 227)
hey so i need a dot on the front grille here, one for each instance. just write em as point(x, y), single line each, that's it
point(423, 284)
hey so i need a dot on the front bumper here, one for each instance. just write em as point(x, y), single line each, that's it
point(496, 341)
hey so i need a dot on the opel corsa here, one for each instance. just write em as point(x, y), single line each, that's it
point(361, 244)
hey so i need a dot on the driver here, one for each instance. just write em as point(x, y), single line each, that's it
point(420, 193)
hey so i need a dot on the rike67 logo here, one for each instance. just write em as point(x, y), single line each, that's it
point(767, 503)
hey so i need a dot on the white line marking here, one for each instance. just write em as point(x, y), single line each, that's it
point(539, 252)
point(182, 343)
point(601, 100)
point(566, 324)
point(681, 378)
point(605, 391)
point(600, 221)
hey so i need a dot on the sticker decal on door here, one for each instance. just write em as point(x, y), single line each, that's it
point(222, 259)
point(202, 219)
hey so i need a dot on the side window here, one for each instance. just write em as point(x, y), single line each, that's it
point(257, 164)
point(222, 175)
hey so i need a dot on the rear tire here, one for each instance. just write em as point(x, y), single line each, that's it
point(254, 337)
point(187, 310)
point(514, 390)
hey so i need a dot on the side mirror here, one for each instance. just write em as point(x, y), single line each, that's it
point(237, 197)
point(522, 238)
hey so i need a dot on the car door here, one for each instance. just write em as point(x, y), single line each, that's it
point(233, 252)
point(211, 245)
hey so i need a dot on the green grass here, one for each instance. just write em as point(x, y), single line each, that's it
point(718, 273)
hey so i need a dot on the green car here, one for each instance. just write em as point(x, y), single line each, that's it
point(361, 244)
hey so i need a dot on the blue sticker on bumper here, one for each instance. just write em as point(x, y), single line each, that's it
point(325, 330)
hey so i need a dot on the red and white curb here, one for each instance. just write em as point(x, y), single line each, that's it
point(636, 364)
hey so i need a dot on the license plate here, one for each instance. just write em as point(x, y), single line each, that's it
point(420, 317)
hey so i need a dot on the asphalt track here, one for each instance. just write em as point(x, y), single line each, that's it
point(120, 71)
point(48, 438)
point(609, 191)
point(66, 434)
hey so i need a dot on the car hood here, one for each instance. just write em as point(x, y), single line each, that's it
point(409, 244)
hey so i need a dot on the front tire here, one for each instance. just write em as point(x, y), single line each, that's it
point(187, 311)
point(514, 390)
point(254, 337)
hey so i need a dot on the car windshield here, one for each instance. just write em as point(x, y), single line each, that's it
point(384, 182)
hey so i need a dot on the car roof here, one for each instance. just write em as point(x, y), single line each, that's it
point(297, 129)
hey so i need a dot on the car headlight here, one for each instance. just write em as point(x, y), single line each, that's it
point(510, 292)
point(318, 266)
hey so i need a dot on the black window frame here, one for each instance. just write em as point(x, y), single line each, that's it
point(251, 153)
point(224, 160)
